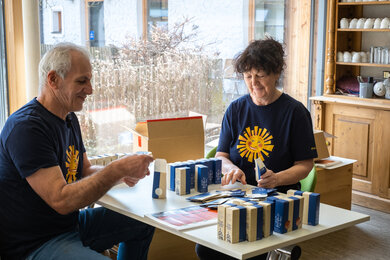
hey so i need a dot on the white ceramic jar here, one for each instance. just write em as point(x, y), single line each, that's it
point(369, 23)
point(347, 56)
point(344, 23)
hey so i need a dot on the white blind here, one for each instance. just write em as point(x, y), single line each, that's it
point(3, 72)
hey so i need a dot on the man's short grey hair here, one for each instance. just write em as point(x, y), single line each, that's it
point(58, 59)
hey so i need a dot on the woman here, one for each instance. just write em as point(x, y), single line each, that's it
point(266, 124)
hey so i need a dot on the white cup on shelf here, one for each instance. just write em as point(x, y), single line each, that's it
point(360, 23)
point(363, 57)
point(347, 57)
point(356, 57)
point(369, 23)
point(344, 23)
point(385, 23)
point(340, 56)
point(377, 23)
point(353, 23)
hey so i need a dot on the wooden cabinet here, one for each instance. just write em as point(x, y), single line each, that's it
point(362, 132)
point(353, 40)
point(361, 125)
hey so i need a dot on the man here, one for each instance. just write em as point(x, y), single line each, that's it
point(46, 177)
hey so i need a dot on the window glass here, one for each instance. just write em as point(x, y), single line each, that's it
point(157, 14)
point(57, 22)
point(3, 72)
point(183, 65)
point(269, 18)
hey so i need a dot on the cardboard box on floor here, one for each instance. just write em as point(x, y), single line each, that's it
point(173, 139)
point(333, 183)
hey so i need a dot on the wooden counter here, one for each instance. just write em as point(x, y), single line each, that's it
point(362, 130)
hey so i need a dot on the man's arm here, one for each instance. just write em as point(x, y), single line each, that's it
point(88, 168)
point(64, 198)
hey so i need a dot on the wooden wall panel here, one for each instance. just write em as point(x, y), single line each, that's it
point(15, 54)
point(297, 35)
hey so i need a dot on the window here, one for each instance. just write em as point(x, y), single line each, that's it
point(96, 34)
point(3, 72)
point(269, 19)
point(56, 20)
point(157, 14)
point(151, 61)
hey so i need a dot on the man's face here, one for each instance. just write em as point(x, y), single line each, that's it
point(76, 86)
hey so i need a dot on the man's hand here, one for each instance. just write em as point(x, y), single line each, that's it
point(233, 176)
point(130, 181)
point(133, 168)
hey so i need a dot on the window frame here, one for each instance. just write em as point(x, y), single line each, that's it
point(60, 10)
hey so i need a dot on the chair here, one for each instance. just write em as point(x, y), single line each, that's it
point(309, 183)
point(212, 153)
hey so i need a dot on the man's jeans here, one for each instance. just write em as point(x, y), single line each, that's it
point(99, 229)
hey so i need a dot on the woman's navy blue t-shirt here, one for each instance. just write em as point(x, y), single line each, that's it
point(279, 133)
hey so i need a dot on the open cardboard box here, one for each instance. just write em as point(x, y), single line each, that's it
point(323, 160)
point(173, 139)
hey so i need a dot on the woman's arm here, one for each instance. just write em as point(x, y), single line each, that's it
point(230, 171)
point(292, 175)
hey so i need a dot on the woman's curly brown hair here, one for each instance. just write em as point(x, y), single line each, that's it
point(266, 55)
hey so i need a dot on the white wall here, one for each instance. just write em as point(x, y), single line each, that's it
point(121, 20)
point(72, 16)
point(221, 22)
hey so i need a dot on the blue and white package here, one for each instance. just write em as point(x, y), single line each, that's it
point(201, 178)
point(259, 168)
point(159, 179)
point(191, 164)
point(209, 164)
point(298, 211)
point(171, 171)
point(235, 224)
point(183, 180)
point(311, 206)
point(217, 170)
point(281, 216)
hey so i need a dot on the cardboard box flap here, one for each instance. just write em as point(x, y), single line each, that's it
point(174, 139)
point(141, 129)
point(169, 127)
point(322, 149)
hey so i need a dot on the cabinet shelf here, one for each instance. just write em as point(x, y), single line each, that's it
point(363, 30)
point(363, 64)
point(365, 3)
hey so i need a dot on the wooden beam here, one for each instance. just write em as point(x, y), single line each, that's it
point(15, 54)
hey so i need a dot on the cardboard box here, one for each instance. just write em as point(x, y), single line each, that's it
point(322, 149)
point(174, 139)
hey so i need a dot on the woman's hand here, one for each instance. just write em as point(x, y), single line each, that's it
point(268, 180)
point(233, 175)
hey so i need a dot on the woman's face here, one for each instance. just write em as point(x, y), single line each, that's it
point(262, 87)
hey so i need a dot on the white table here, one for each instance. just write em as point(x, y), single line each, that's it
point(136, 202)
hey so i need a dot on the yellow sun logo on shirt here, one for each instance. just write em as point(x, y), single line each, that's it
point(255, 143)
point(72, 162)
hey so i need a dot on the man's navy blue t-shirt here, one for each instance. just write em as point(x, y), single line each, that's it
point(279, 133)
point(34, 138)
